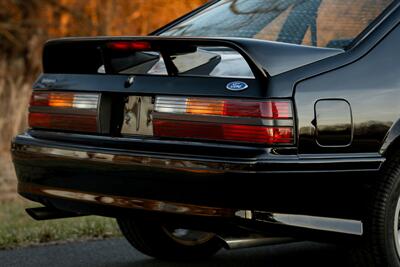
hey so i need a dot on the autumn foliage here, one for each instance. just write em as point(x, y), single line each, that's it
point(26, 24)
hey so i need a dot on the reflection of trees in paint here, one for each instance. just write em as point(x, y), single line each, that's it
point(302, 17)
point(326, 23)
point(262, 12)
point(273, 6)
point(239, 18)
point(250, 17)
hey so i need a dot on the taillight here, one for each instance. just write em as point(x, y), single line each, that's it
point(130, 45)
point(65, 111)
point(250, 121)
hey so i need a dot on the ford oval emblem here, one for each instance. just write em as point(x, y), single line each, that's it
point(237, 86)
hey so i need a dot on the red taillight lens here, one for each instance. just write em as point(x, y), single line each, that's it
point(264, 122)
point(126, 46)
point(227, 132)
point(64, 111)
point(63, 122)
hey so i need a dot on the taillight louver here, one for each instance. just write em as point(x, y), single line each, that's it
point(248, 121)
point(64, 111)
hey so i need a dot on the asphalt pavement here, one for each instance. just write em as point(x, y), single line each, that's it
point(118, 253)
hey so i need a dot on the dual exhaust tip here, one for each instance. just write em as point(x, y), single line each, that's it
point(45, 213)
point(231, 242)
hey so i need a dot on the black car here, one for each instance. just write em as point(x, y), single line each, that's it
point(282, 124)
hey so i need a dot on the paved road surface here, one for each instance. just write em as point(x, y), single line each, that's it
point(118, 253)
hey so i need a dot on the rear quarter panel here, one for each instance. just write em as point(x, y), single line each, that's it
point(371, 85)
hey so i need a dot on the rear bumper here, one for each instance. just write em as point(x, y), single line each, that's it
point(98, 149)
point(105, 181)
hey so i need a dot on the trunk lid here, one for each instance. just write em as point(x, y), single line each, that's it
point(213, 89)
point(165, 65)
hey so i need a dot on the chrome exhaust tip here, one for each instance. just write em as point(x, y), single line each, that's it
point(255, 241)
point(45, 213)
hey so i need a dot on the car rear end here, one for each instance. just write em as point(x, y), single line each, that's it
point(159, 137)
point(201, 130)
point(105, 140)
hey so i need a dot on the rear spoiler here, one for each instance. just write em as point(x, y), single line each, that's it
point(85, 55)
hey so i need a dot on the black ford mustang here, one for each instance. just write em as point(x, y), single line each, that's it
point(281, 125)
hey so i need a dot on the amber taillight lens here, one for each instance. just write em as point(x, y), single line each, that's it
point(64, 111)
point(262, 122)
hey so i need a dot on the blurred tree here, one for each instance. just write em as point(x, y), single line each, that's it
point(25, 24)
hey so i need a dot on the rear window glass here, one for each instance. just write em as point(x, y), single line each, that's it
point(322, 23)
